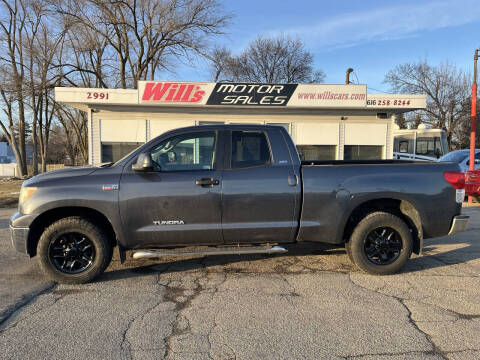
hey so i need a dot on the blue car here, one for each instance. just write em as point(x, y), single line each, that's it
point(462, 158)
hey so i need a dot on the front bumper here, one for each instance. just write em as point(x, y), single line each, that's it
point(19, 237)
point(19, 230)
point(459, 224)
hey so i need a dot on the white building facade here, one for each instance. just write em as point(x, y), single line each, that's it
point(327, 122)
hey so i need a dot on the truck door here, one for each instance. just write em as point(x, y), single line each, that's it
point(260, 191)
point(178, 203)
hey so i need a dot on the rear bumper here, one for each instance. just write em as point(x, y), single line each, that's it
point(459, 224)
point(19, 237)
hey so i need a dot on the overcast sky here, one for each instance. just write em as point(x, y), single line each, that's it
point(372, 36)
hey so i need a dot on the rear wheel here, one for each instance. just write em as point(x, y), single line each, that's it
point(74, 250)
point(380, 244)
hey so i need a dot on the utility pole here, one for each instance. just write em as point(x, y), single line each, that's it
point(347, 78)
point(473, 124)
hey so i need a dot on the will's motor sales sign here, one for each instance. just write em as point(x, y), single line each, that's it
point(251, 94)
point(248, 94)
point(333, 96)
point(174, 93)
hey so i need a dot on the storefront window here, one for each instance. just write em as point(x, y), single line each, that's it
point(363, 152)
point(113, 151)
point(317, 152)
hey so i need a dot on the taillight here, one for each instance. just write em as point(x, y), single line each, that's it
point(455, 178)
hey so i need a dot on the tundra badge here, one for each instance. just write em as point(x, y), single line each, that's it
point(168, 222)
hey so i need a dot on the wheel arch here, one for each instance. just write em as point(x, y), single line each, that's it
point(42, 221)
point(399, 207)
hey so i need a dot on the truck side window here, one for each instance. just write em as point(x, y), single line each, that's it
point(193, 151)
point(249, 149)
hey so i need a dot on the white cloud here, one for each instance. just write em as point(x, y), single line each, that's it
point(387, 23)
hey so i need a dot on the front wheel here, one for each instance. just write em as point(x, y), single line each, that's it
point(380, 244)
point(74, 250)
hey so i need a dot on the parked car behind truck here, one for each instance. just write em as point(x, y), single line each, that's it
point(233, 189)
point(462, 158)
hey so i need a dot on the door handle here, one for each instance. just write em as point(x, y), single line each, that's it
point(207, 182)
point(292, 179)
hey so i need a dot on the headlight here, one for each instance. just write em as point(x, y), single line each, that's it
point(26, 193)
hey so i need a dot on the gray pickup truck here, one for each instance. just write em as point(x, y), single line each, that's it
point(232, 189)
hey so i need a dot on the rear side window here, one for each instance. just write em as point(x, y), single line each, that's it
point(249, 149)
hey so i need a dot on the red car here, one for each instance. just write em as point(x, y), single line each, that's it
point(472, 183)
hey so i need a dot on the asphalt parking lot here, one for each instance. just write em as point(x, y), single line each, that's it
point(307, 304)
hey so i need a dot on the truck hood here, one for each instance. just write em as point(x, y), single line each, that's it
point(62, 173)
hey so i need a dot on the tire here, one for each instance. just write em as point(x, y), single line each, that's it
point(380, 244)
point(74, 250)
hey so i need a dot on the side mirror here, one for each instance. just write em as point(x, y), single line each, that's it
point(477, 161)
point(437, 153)
point(144, 163)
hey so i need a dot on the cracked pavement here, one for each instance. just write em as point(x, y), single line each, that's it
point(307, 304)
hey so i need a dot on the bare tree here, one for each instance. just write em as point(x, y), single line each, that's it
point(416, 121)
point(278, 59)
point(462, 134)
point(221, 60)
point(27, 77)
point(12, 77)
point(447, 91)
point(145, 34)
point(42, 43)
point(84, 58)
point(401, 121)
point(75, 130)
point(57, 141)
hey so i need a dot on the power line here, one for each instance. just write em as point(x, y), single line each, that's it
point(368, 87)
point(371, 88)
point(356, 77)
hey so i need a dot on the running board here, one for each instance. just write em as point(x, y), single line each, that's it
point(150, 254)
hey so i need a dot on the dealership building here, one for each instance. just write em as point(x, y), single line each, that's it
point(326, 122)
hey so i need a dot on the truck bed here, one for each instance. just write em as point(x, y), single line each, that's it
point(340, 189)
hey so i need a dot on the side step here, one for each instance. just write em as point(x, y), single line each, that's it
point(156, 253)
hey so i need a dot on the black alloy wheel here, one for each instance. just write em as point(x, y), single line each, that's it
point(383, 245)
point(74, 250)
point(380, 244)
point(72, 253)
